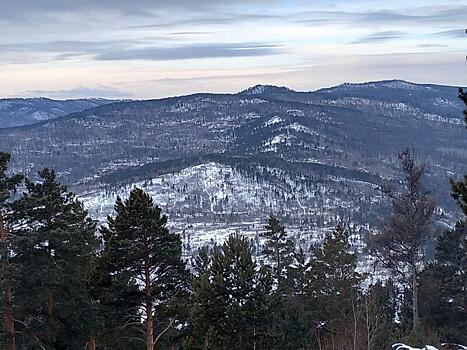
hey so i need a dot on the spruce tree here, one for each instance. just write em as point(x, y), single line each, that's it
point(335, 286)
point(54, 246)
point(231, 298)
point(400, 245)
point(117, 318)
point(8, 184)
point(292, 312)
point(459, 188)
point(444, 296)
point(143, 254)
point(278, 249)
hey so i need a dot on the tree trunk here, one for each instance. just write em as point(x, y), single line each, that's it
point(8, 307)
point(92, 343)
point(354, 326)
point(415, 294)
point(10, 324)
point(149, 327)
point(149, 305)
point(49, 307)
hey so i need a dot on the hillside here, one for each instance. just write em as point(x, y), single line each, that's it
point(315, 157)
point(25, 111)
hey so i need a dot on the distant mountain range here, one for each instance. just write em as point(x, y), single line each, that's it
point(24, 111)
point(315, 158)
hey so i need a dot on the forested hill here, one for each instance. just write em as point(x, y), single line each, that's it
point(335, 139)
point(25, 111)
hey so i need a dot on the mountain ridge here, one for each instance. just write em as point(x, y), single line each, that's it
point(324, 144)
point(17, 112)
point(255, 90)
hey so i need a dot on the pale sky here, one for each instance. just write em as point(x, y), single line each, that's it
point(157, 48)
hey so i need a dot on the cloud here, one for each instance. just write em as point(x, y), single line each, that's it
point(380, 37)
point(210, 19)
point(437, 68)
point(15, 9)
point(137, 50)
point(83, 43)
point(83, 92)
point(454, 33)
point(418, 15)
point(190, 52)
point(432, 45)
point(190, 33)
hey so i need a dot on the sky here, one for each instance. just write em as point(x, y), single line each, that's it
point(144, 49)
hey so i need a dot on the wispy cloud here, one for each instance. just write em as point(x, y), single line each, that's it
point(453, 33)
point(83, 92)
point(414, 15)
point(137, 50)
point(380, 37)
point(191, 52)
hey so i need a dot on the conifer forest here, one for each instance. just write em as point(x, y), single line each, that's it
point(68, 282)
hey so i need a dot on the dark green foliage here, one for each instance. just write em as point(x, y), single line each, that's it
point(54, 246)
point(459, 193)
point(335, 285)
point(380, 307)
point(444, 287)
point(463, 97)
point(138, 283)
point(7, 183)
point(230, 298)
point(278, 249)
point(8, 271)
point(459, 188)
point(143, 269)
point(296, 313)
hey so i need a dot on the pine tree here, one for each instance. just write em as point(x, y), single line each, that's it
point(400, 245)
point(7, 273)
point(445, 284)
point(335, 286)
point(459, 188)
point(278, 249)
point(231, 298)
point(117, 317)
point(463, 97)
point(293, 312)
point(143, 253)
point(55, 243)
point(300, 272)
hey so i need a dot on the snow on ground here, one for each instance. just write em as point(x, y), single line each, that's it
point(272, 121)
point(208, 202)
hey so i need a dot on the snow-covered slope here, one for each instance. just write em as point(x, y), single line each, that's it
point(25, 111)
point(207, 202)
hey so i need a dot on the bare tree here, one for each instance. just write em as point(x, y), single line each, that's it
point(400, 245)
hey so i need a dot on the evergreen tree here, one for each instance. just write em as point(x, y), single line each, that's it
point(294, 312)
point(231, 298)
point(8, 184)
point(400, 245)
point(463, 97)
point(278, 249)
point(54, 247)
point(117, 318)
point(380, 309)
point(459, 188)
point(145, 256)
point(444, 296)
point(335, 287)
